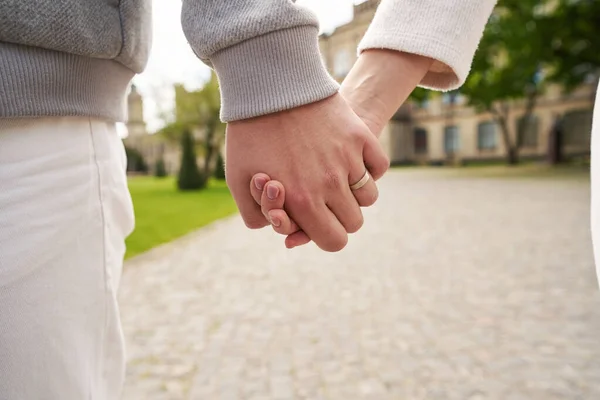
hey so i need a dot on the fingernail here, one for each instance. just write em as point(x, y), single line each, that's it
point(275, 221)
point(260, 183)
point(272, 192)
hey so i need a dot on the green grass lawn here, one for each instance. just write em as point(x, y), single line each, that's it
point(163, 213)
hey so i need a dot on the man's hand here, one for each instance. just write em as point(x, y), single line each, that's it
point(317, 151)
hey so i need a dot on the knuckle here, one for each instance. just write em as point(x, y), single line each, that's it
point(302, 200)
point(333, 180)
point(355, 225)
point(380, 167)
point(385, 163)
point(286, 232)
point(282, 230)
point(337, 244)
point(339, 151)
point(369, 198)
point(255, 223)
point(265, 203)
point(333, 243)
point(358, 136)
point(265, 208)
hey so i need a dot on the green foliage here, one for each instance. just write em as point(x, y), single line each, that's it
point(135, 161)
point(159, 169)
point(198, 111)
point(529, 43)
point(198, 107)
point(190, 177)
point(220, 168)
point(420, 95)
point(195, 110)
point(526, 45)
point(574, 27)
point(174, 131)
point(510, 55)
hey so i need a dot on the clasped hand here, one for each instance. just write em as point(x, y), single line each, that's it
point(299, 164)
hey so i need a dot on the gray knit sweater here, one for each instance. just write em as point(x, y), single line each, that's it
point(77, 57)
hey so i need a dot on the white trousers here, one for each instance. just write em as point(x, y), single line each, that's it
point(65, 211)
point(595, 182)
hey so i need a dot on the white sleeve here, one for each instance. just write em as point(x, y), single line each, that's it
point(447, 31)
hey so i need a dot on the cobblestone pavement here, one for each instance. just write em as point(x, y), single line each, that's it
point(465, 289)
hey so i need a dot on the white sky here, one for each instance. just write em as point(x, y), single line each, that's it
point(172, 61)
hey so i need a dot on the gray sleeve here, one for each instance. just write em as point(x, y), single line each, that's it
point(265, 53)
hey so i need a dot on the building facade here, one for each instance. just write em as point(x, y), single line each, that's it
point(151, 147)
point(446, 130)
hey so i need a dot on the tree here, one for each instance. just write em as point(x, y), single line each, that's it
point(420, 95)
point(220, 168)
point(575, 25)
point(159, 169)
point(526, 45)
point(198, 111)
point(190, 177)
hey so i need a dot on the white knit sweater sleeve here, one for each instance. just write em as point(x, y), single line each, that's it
point(446, 30)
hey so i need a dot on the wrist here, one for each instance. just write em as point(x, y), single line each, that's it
point(380, 81)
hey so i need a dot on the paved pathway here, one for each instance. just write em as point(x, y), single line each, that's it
point(455, 289)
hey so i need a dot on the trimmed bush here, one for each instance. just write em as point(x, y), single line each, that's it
point(189, 177)
point(159, 169)
point(220, 168)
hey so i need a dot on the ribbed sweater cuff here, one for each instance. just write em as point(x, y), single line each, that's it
point(449, 69)
point(270, 73)
point(448, 31)
point(36, 82)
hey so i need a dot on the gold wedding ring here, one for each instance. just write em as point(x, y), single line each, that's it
point(362, 182)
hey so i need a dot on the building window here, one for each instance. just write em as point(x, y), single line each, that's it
point(451, 139)
point(420, 140)
point(527, 129)
point(450, 98)
point(486, 135)
point(577, 127)
point(342, 63)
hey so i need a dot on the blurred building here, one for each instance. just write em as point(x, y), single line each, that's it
point(151, 147)
point(445, 129)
